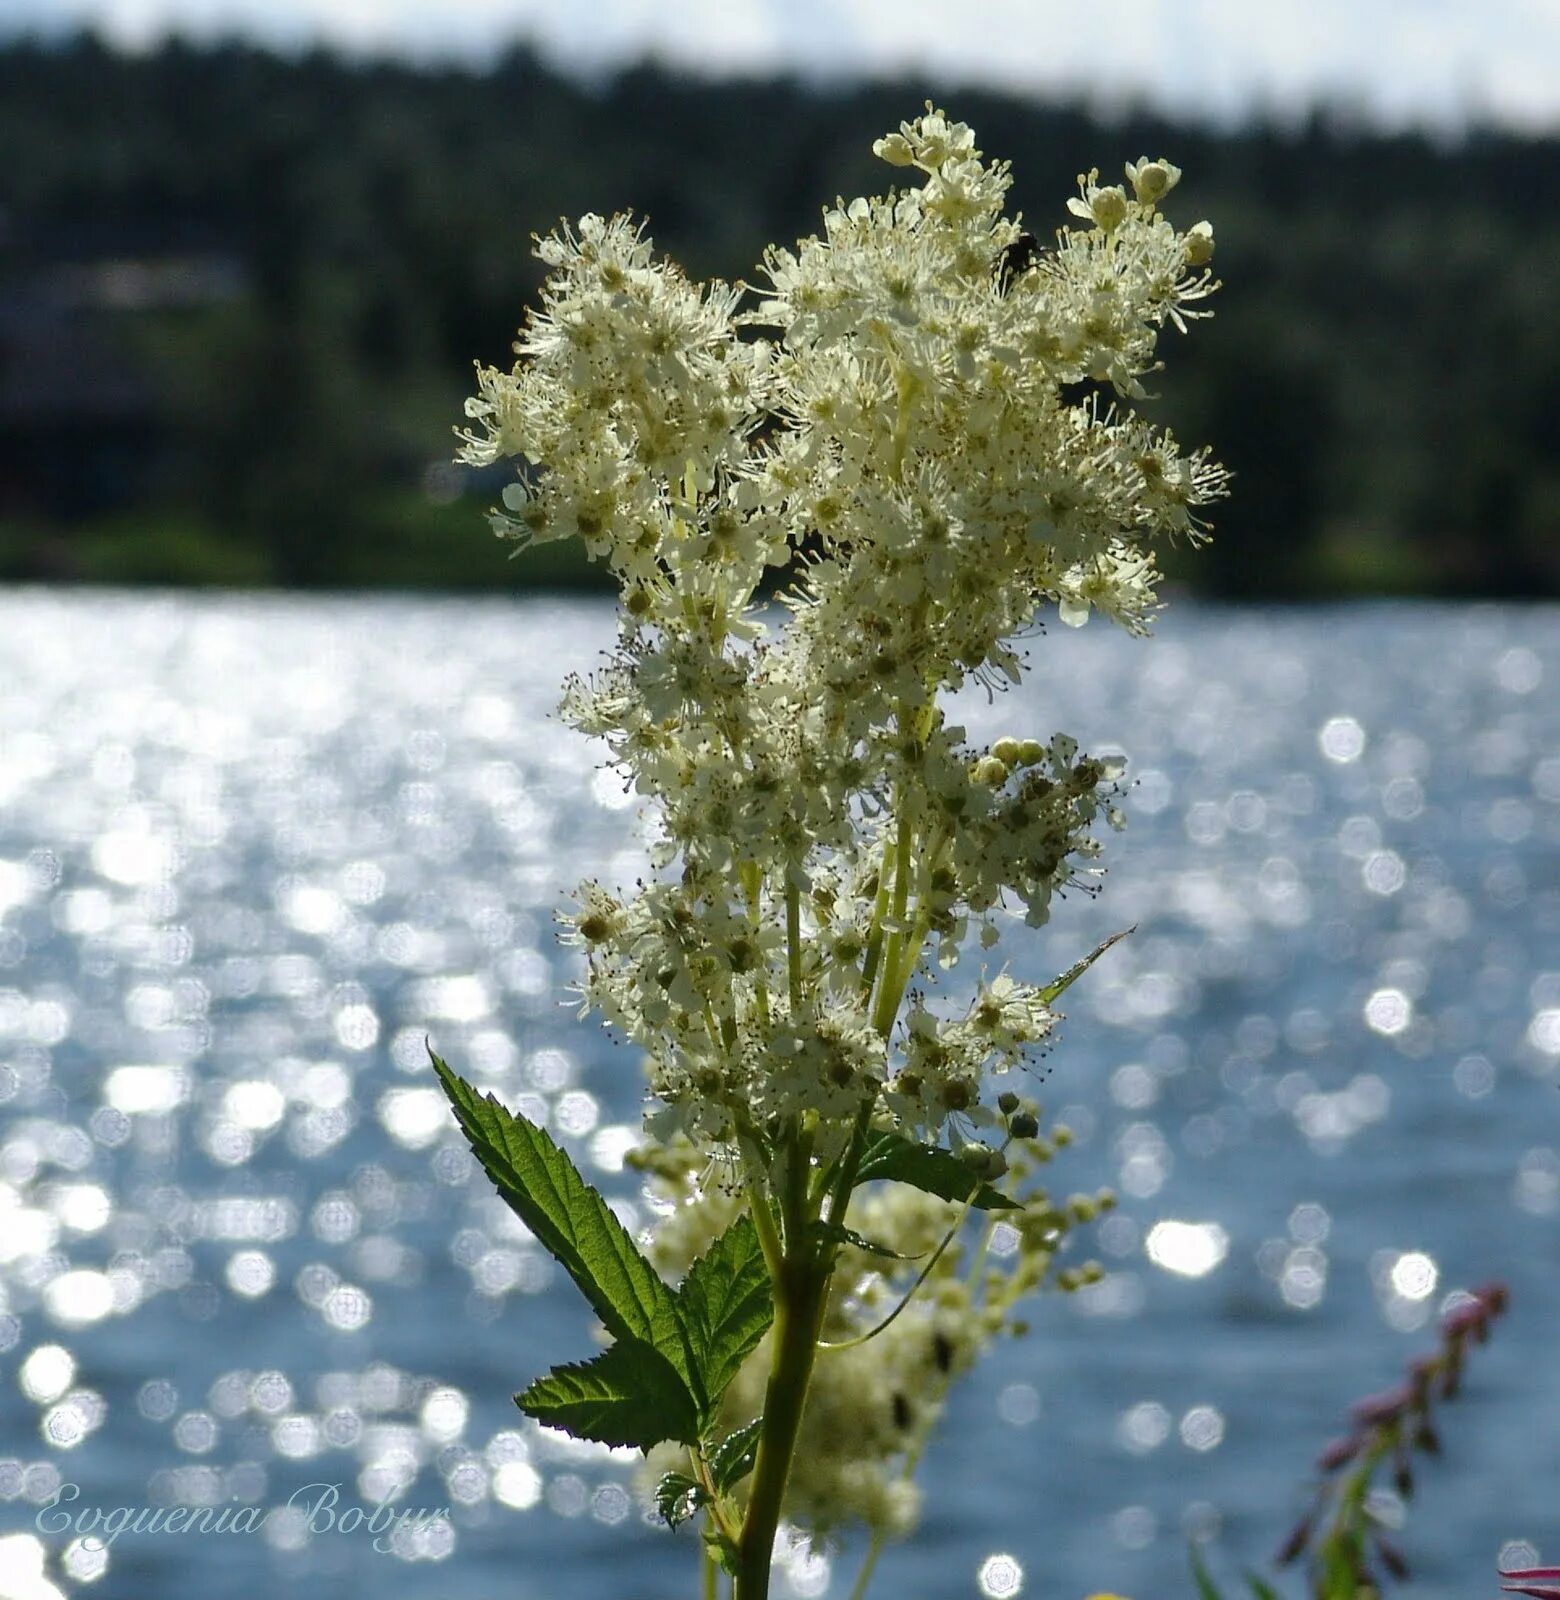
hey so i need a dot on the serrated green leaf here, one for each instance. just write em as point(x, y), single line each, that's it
point(1261, 1588)
point(629, 1395)
point(732, 1459)
point(1205, 1585)
point(678, 1497)
point(1078, 968)
point(725, 1548)
point(544, 1188)
point(931, 1169)
point(727, 1304)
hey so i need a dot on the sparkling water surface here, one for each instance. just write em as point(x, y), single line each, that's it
point(254, 850)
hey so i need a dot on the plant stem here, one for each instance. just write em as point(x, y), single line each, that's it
point(793, 946)
point(880, 1534)
point(763, 1223)
point(887, 1005)
point(909, 1294)
point(801, 1291)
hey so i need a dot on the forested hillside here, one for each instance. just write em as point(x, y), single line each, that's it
point(240, 295)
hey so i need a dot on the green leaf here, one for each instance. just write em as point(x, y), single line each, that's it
point(840, 1234)
point(1261, 1588)
point(1205, 1584)
point(931, 1169)
point(725, 1548)
point(1078, 968)
point(732, 1459)
point(545, 1190)
point(678, 1497)
point(629, 1395)
point(727, 1304)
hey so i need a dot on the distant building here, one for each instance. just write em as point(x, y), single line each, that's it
point(81, 427)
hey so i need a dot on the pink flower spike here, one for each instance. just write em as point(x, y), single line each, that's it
point(1385, 1407)
point(1338, 1452)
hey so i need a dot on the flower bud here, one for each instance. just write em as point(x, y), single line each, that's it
point(1338, 1453)
point(1081, 1208)
point(894, 149)
point(1391, 1558)
point(1152, 180)
point(1376, 1409)
point(1299, 1537)
point(1030, 752)
point(1007, 1102)
point(1108, 207)
point(1024, 1126)
point(1427, 1439)
point(1061, 1135)
point(991, 771)
point(1007, 752)
point(1199, 244)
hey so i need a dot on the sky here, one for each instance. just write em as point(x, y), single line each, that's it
point(1421, 63)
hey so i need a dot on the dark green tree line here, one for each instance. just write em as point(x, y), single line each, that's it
point(1383, 374)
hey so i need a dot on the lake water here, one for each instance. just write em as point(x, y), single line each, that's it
point(253, 849)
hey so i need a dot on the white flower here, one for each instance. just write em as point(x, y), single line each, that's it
point(908, 437)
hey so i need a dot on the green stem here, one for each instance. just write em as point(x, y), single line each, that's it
point(909, 1294)
point(880, 1534)
point(793, 946)
point(913, 1455)
point(753, 889)
point(869, 1564)
point(887, 1005)
point(850, 1163)
point(879, 911)
point(801, 1292)
point(710, 1591)
point(897, 980)
point(764, 1225)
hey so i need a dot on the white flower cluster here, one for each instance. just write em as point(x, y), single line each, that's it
point(920, 443)
point(882, 1382)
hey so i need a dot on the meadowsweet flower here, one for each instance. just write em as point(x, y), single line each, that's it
point(920, 430)
point(901, 408)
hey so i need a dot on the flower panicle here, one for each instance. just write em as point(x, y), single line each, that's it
point(1342, 1529)
point(894, 422)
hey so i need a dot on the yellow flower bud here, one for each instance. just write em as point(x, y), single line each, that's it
point(894, 149)
point(1152, 180)
point(1108, 207)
